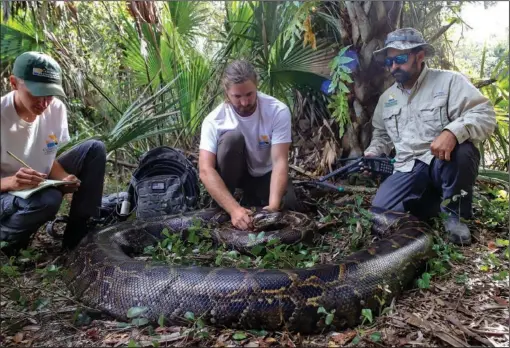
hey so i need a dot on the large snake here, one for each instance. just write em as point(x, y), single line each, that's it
point(101, 273)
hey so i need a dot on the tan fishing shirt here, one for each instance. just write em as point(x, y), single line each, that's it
point(411, 120)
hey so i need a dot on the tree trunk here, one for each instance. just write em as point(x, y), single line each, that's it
point(366, 29)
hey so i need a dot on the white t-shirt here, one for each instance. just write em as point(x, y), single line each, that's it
point(269, 124)
point(35, 143)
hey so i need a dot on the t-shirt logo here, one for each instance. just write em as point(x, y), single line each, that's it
point(51, 144)
point(391, 101)
point(264, 141)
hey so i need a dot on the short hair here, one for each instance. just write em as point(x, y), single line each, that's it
point(239, 71)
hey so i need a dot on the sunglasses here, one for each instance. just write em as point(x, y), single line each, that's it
point(400, 59)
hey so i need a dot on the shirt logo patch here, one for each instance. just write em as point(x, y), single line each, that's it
point(391, 101)
point(264, 142)
point(51, 144)
point(439, 94)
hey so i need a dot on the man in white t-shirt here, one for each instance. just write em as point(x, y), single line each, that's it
point(33, 127)
point(245, 144)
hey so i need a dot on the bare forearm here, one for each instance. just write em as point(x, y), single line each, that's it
point(279, 179)
point(57, 172)
point(218, 191)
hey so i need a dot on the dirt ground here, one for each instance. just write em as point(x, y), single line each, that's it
point(467, 305)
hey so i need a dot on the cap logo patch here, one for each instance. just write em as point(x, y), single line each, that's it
point(45, 73)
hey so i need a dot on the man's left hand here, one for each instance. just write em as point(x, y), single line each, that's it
point(443, 145)
point(72, 187)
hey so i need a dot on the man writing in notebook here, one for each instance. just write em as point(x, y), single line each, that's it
point(33, 127)
point(245, 144)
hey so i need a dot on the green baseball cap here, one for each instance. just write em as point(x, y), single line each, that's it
point(41, 73)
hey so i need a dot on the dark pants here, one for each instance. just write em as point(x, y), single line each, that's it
point(20, 218)
point(422, 190)
point(232, 167)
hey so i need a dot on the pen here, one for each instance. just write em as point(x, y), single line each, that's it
point(19, 160)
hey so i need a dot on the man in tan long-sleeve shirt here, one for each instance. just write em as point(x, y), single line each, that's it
point(434, 119)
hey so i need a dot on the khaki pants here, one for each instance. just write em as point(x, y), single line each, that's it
point(232, 167)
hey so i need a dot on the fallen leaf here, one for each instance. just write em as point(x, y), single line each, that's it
point(439, 301)
point(18, 337)
point(402, 341)
point(31, 328)
point(344, 337)
point(93, 334)
point(251, 344)
point(500, 300)
point(492, 245)
point(271, 340)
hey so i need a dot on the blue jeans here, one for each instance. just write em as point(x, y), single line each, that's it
point(21, 218)
point(422, 190)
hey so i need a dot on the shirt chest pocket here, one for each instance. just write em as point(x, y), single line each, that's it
point(433, 117)
point(393, 122)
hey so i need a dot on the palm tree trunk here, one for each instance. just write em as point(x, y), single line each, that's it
point(365, 27)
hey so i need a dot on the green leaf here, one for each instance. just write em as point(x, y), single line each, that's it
point(40, 303)
point(445, 202)
point(257, 249)
point(239, 336)
point(161, 320)
point(356, 340)
point(132, 343)
point(329, 318)
point(344, 60)
point(345, 69)
point(343, 87)
point(260, 333)
point(261, 235)
point(502, 242)
point(367, 313)
point(252, 237)
point(345, 77)
point(484, 268)
point(136, 311)
point(122, 325)
point(273, 241)
point(321, 310)
point(139, 321)
point(424, 282)
point(189, 315)
point(15, 295)
point(200, 323)
point(375, 337)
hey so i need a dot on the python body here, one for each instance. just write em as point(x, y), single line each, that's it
point(103, 276)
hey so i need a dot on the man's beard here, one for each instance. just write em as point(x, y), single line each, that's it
point(246, 110)
point(402, 76)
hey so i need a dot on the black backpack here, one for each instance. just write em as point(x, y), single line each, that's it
point(165, 182)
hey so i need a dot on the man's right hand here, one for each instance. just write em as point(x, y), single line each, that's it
point(241, 218)
point(368, 154)
point(24, 178)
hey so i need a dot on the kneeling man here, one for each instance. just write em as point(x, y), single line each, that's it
point(245, 144)
point(433, 118)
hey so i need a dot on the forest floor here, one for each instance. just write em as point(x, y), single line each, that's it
point(461, 300)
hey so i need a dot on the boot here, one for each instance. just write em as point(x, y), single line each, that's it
point(76, 229)
point(458, 232)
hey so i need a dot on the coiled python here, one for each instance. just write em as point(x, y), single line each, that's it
point(102, 275)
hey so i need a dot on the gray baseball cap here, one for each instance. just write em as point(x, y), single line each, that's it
point(41, 73)
point(404, 39)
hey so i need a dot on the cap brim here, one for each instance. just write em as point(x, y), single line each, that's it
point(41, 89)
point(380, 55)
